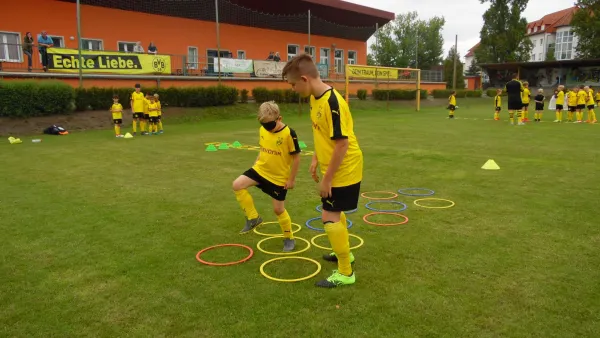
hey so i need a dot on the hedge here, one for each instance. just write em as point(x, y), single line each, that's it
point(491, 92)
point(30, 98)
point(397, 94)
point(262, 94)
point(361, 94)
point(445, 93)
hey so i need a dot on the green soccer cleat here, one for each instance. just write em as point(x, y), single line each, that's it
point(331, 257)
point(251, 224)
point(336, 279)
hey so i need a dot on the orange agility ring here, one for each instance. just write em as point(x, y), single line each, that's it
point(365, 218)
point(392, 195)
point(228, 263)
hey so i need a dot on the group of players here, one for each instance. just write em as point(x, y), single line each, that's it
point(577, 99)
point(146, 110)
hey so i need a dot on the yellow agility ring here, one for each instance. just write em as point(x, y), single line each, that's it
point(282, 253)
point(262, 269)
point(312, 240)
point(275, 235)
point(416, 202)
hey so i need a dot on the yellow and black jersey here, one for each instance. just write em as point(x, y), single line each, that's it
point(452, 100)
point(590, 101)
point(276, 154)
point(525, 95)
point(560, 97)
point(117, 111)
point(582, 97)
point(331, 121)
point(572, 101)
point(598, 96)
point(146, 103)
point(152, 109)
point(498, 101)
point(159, 108)
point(137, 102)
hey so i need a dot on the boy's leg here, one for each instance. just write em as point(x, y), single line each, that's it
point(520, 117)
point(511, 116)
point(451, 114)
point(525, 113)
point(117, 129)
point(160, 125)
point(240, 188)
point(285, 222)
point(539, 115)
point(134, 126)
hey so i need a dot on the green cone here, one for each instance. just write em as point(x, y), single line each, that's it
point(223, 146)
point(211, 148)
point(302, 144)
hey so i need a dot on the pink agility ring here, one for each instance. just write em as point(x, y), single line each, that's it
point(228, 263)
point(365, 219)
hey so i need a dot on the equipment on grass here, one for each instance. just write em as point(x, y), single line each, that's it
point(223, 146)
point(302, 145)
point(56, 130)
point(128, 135)
point(262, 269)
point(320, 209)
point(366, 218)
point(490, 165)
point(13, 140)
point(211, 147)
point(350, 224)
point(312, 240)
point(236, 144)
point(428, 193)
point(416, 202)
point(228, 263)
point(274, 235)
point(404, 206)
point(393, 195)
point(281, 253)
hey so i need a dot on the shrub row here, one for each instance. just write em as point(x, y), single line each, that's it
point(444, 93)
point(491, 92)
point(397, 94)
point(262, 94)
point(30, 98)
point(361, 94)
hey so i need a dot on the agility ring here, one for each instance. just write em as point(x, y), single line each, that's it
point(281, 253)
point(392, 195)
point(320, 209)
point(428, 193)
point(350, 224)
point(416, 202)
point(404, 206)
point(274, 235)
point(224, 264)
point(312, 240)
point(366, 219)
point(262, 269)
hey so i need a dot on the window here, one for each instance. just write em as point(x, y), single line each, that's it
point(529, 31)
point(10, 49)
point(241, 54)
point(564, 45)
point(324, 56)
point(91, 44)
point(543, 27)
point(351, 57)
point(541, 57)
point(192, 57)
point(292, 50)
point(536, 29)
point(310, 50)
point(532, 57)
point(339, 61)
point(126, 47)
point(541, 42)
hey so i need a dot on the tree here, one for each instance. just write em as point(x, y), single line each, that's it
point(449, 70)
point(586, 25)
point(503, 35)
point(410, 42)
point(473, 69)
point(550, 56)
point(371, 60)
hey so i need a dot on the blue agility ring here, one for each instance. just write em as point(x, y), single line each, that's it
point(428, 193)
point(320, 209)
point(368, 206)
point(323, 230)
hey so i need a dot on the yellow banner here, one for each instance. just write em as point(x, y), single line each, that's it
point(67, 60)
point(368, 72)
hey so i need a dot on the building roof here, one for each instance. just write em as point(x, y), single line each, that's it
point(545, 64)
point(551, 21)
point(471, 51)
point(333, 18)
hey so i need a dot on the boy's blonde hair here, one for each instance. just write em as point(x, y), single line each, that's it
point(300, 65)
point(156, 96)
point(561, 87)
point(268, 111)
point(541, 91)
point(525, 83)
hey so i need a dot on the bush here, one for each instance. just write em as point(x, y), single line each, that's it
point(491, 92)
point(474, 93)
point(262, 94)
point(244, 95)
point(461, 93)
point(29, 98)
point(361, 94)
point(397, 94)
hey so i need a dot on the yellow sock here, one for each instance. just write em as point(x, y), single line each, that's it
point(512, 117)
point(526, 114)
point(134, 126)
point(117, 129)
point(520, 116)
point(285, 222)
point(570, 116)
point(343, 219)
point(338, 237)
point(560, 116)
point(535, 116)
point(539, 116)
point(160, 127)
point(245, 200)
point(452, 113)
point(593, 112)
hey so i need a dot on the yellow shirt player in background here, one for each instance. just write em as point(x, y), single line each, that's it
point(137, 108)
point(572, 102)
point(452, 104)
point(145, 129)
point(152, 116)
point(525, 98)
point(339, 157)
point(590, 105)
point(497, 104)
point(560, 103)
point(117, 115)
point(159, 123)
point(274, 172)
point(598, 97)
point(582, 98)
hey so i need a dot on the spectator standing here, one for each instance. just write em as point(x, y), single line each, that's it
point(277, 58)
point(270, 57)
point(44, 42)
point(152, 48)
point(138, 48)
point(28, 49)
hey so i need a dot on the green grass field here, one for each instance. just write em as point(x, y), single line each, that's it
point(99, 235)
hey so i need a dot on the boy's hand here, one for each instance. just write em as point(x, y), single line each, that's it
point(290, 184)
point(325, 188)
point(313, 170)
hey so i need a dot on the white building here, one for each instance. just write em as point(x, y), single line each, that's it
point(553, 32)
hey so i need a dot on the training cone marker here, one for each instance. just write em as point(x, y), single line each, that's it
point(490, 165)
point(223, 146)
point(211, 147)
point(236, 144)
point(302, 144)
point(128, 135)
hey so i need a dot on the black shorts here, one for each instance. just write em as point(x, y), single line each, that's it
point(158, 117)
point(526, 105)
point(451, 107)
point(591, 106)
point(572, 109)
point(539, 106)
point(146, 116)
point(118, 121)
point(138, 115)
point(498, 108)
point(342, 198)
point(559, 107)
point(581, 106)
point(515, 104)
point(152, 119)
point(269, 188)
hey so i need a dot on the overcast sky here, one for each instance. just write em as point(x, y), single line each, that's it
point(463, 17)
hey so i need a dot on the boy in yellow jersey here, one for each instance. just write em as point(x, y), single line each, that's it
point(572, 102)
point(590, 105)
point(137, 107)
point(274, 172)
point(159, 119)
point(525, 98)
point(497, 104)
point(152, 118)
point(598, 97)
point(339, 157)
point(582, 98)
point(539, 105)
point(117, 115)
point(560, 103)
point(145, 128)
point(451, 104)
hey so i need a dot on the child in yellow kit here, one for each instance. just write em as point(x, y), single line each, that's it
point(497, 104)
point(452, 104)
point(159, 119)
point(152, 116)
point(525, 98)
point(572, 102)
point(117, 115)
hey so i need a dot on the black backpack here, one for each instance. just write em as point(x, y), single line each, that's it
point(55, 130)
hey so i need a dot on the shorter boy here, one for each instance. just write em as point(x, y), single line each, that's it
point(560, 101)
point(582, 98)
point(159, 118)
point(117, 114)
point(152, 116)
point(590, 105)
point(598, 98)
point(452, 104)
point(274, 172)
point(572, 102)
point(539, 105)
point(525, 98)
point(498, 104)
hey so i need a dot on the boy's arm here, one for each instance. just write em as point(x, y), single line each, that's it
point(313, 168)
point(341, 147)
point(295, 166)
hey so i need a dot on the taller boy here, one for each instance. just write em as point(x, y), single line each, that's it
point(339, 157)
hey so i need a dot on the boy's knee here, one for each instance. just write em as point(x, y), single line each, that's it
point(279, 209)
